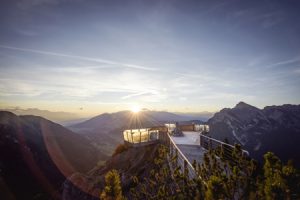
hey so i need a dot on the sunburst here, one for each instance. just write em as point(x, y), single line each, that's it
point(135, 109)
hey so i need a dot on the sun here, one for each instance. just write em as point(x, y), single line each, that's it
point(135, 108)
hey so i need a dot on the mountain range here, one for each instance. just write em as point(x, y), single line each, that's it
point(273, 128)
point(68, 118)
point(37, 155)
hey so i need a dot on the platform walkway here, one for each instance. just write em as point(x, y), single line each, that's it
point(189, 145)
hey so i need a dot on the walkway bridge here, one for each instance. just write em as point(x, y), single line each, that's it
point(187, 148)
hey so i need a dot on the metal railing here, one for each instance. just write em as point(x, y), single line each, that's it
point(178, 159)
point(209, 143)
point(206, 142)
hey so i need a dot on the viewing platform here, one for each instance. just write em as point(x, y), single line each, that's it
point(188, 143)
point(145, 136)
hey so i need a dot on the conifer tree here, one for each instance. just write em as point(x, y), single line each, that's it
point(215, 188)
point(218, 177)
point(292, 179)
point(113, 189)
point(273, 184)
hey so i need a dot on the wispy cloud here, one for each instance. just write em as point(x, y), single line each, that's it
point(284, 62)
point(97, 60)
point(147, 96)
point(297, 71)
point(29, 4)
point(135, 95)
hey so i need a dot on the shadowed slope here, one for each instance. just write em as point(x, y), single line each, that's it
point(36, 153)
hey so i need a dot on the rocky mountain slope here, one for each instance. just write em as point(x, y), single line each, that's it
point(130, 162)
point(274, 128)
point(36, 155)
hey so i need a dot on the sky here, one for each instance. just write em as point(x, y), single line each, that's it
point(91, 56)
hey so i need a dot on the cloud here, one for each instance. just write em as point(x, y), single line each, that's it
point(297, 71)
point(258, 60)
point(135, 95)
point(27, 32)
point(272, 18)
point(97, 60)
point(9, 87)
point(29, 4)
point(147, 96)
point(48, 84)
point(284, 62)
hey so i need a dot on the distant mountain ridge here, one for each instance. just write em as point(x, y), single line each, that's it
point(147, 118)
point(105, 130)
point(203, 116)
point(273, 128)
point(57, 117)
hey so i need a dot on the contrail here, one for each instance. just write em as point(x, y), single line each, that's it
point(110, 62)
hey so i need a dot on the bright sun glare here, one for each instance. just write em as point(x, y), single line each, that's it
point(135, 109)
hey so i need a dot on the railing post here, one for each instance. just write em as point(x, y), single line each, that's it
point(185, 169)
point(140, 136)
point(171, 150)
point(176, 157)
point(200, 140)
point(221, 150)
